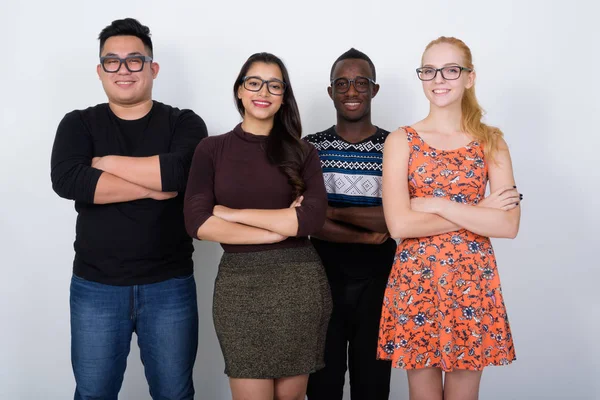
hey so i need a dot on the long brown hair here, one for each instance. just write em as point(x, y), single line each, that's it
point(284, 147)
point(472, 112)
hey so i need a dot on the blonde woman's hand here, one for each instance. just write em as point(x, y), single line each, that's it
point(506, 198)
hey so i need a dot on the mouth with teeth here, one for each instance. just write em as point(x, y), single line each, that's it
point(351, 105)
point(441, 91)
point(261, 103)
point(124, 84)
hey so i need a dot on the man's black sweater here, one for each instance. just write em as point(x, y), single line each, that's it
point(135, 242)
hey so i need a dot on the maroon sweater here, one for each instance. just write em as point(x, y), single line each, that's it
point(233, 170)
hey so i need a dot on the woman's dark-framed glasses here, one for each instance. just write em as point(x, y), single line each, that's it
point(449, 73)
point(255, 84)
point(132, 63)
point(361, 84)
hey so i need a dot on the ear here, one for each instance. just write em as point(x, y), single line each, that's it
point(239, 92)
point(470, 80)
point(375, 90)
point(155, 68)
point(330, 92)
point(99, 71)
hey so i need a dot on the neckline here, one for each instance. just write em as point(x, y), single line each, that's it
point(464, 147)
point(132, 121)
point(247, 136)
point(368, 138)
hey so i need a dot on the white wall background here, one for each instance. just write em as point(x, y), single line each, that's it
point(538, 77)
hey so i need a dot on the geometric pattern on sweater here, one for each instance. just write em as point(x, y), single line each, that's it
point(352, 171)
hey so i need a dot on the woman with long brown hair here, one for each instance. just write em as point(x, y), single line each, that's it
point(258, 190)
point(443, 309)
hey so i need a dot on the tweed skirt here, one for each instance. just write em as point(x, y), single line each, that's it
point(271, 310)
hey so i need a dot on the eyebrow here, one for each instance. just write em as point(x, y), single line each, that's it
point(135, 53)
point(445, 65)
point(270, 79)
point(355, 76)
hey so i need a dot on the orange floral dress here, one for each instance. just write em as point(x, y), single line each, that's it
point(443, 304)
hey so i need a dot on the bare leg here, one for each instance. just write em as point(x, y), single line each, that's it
point(425, 384)
point(291, 388)
point(462, 384)
point(251, 389)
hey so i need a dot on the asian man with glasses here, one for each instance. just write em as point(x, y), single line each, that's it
point(125, 163)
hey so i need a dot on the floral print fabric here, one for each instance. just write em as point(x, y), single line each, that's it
point(443, 304)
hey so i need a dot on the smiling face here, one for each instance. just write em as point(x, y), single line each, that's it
point(442, 92)
point(261, 106)
point(123, 87)
point(352, 105)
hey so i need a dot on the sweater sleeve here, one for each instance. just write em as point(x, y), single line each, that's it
point(175, 165)
point(199, 199)
point(70, 165)
point(311, 214)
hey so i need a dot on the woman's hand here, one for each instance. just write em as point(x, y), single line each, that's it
point(225, 213)
point(505, 198)
point(297, 202)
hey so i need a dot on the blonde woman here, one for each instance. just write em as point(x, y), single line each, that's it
point(443, 309)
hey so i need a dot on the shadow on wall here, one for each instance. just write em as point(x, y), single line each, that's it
point(173, 69)
point(209, 378)
point(194, 87)
point(542, 273)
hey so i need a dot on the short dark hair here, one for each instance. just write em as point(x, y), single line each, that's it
point(354, 54)
point(127, 27)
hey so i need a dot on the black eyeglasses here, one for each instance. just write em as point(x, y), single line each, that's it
point(448, 73)
point(361, 84)
point(132, 63)
point(255, 84)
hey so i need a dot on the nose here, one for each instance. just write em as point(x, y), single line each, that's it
point(352, 89)
point(439, 77)
point(123, 69)
point(264, 90)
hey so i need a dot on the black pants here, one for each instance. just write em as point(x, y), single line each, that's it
point(352, 341)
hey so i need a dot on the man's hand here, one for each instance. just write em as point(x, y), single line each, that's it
point(100, 162)
point(330, 213)
point(156, 195)
point(376, 237)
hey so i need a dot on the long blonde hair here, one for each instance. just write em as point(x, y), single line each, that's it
point(472, 112)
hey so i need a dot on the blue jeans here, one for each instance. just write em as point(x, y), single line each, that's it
point(164, 316)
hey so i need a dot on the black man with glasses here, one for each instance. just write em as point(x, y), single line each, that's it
point(354, 244)
point(125, 164)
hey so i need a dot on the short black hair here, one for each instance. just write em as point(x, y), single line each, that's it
point(354, 54)
point(127, 27)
